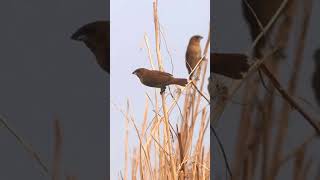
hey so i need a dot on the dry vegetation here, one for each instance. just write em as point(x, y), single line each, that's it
point(177, 151)
point(166, 150)
point(263, 130)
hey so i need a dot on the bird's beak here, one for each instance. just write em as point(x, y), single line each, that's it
point(133, 72)
point(77, 37)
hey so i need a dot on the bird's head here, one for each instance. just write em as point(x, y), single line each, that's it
point(139, 72)
point(94, 34)
point(196, 38)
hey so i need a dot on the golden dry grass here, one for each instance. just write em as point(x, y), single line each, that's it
point(166, 150)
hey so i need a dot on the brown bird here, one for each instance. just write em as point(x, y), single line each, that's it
point(96, 37)
point(158, 79)
point(193, 53)
point(316, 76)
point(229, 65)
point(263, 11)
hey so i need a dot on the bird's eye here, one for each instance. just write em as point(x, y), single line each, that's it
point(82, 37)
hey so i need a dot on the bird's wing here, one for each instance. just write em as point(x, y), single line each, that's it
point(193, 53)
point(228, 56)
point(161, 73)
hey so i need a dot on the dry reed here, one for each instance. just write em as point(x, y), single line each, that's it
point(260, 154)
point(167, 150)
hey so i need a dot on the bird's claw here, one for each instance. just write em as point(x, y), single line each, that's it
point(162, 90)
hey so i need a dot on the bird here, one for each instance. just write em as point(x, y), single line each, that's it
point(96, 36)
point(231, 65)
point(193, 53)
point(316, 76)
point(254, 10)
point(226, 64)
point(158, 79)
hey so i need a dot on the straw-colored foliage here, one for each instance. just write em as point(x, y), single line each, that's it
point(167, 149)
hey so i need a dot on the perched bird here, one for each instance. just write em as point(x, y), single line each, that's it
point(158, 79)
point(262, 11)
point(229, 65)
point(96, 37)
point(316, 76)
point(193, 53)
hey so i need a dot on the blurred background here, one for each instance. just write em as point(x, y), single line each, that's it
point(231, 35)
point(44, 76)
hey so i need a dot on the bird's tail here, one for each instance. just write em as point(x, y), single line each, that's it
point(180, 81)
point(230, 65)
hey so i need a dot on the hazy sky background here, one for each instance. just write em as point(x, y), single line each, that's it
point(230, 34)
point(45, 75)
point(129, 21)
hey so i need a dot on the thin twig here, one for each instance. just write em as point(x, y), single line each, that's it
point(289, 99)
point(222, 150)
point(26, 146)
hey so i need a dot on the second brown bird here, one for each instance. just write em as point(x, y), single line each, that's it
point(226, 64)
point(193, 53)
point(255, 12)
point(158, 79)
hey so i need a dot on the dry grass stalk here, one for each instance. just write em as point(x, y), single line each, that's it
point(243, 132)
point(57, 153)
point(166, 152)
point(167, 141)
point(255, 141)
point(26, 147)
point(282, 37)
point(284, 116)
point(126, 143)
